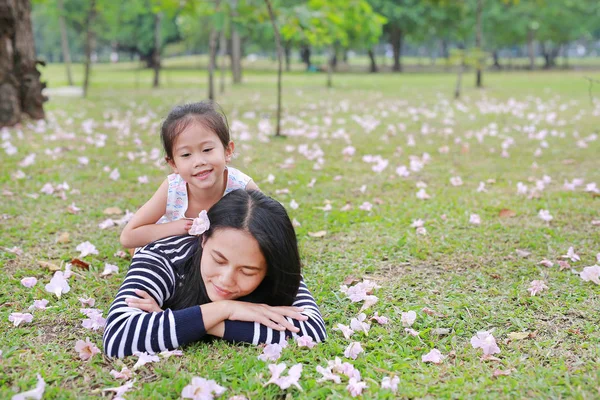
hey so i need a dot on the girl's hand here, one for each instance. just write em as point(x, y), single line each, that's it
point(272, 317)
point(182, 226)
point(145, 303)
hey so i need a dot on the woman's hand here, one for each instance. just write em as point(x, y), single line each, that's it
point(272, 317)
point(145, 303)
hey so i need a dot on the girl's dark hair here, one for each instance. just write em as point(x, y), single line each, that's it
point(207, 113)
point(268, 222)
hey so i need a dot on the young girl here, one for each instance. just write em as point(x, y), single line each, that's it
point(198, 148)
point(241, 281)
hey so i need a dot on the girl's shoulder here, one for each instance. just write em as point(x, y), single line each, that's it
point(236, 179)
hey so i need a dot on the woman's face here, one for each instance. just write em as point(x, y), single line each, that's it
point(232, 264)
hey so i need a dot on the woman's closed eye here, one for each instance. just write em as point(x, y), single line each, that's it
point(220, 261)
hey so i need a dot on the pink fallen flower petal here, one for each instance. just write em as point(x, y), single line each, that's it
point(390, 383)
point(94, 322)
point(346, 331)
point(475, 219)
point(574, 257)
point(355, 387)
point(485, 340)
point(353, 350)
point(86, 248)
point(120, 390)
point(411, 331)
point(328, 375)
point(169, 353)
point(591, 274)
point(545, 215)
point(434, 356)
point(499, 372)
point(380, 319)
point(144, 358)
point(536, 287)
point(29, 282)
point(305, 341)
point(202, 389)
point(408, 318)
point(35, 394)
point(86, 349)
point(87, 301)
point(18, 318)
point(546, 263)
point(125, 374)
point(358, 324)
point(58, 284)
point(200, 224)
point(39, 304)
point(271, 352)
point(284, 382)
point(109, 269)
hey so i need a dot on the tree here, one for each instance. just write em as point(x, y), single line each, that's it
point(279, 62)
point(20, 86)
point(64, 41)
point(90, 43)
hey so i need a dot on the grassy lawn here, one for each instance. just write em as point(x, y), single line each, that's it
point(470, 275)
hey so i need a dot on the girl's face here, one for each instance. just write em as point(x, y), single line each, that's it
point(199, 156)
point(232, 264)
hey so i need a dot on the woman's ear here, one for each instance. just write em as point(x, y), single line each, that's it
point(203, 240)
point(229, 151)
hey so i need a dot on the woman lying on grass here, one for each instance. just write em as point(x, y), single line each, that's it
point(239, 281)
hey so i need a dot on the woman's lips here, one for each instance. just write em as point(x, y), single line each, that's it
point(221, 291)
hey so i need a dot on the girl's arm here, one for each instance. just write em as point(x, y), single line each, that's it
point(256, 333)
point(142, 228)
point(251, 185)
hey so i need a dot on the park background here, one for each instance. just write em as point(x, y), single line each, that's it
point(441, 149)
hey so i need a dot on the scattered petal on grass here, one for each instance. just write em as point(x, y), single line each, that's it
point(545, 215)
point(390, 383)
point(169, 353)
point(328, 375)
point(144, 358)
point(380, 319)
point(536, 287)
point(125, 374)
point(285, 382)
point(29, 282)
point(202, 389)
point(434, 356)
point(353, 350)
point(499, 372)
point(305, 341)
point(408, 318)
point(94, 321)
point(411, 331)
point(571, 255)
point(39, 304)
point(475, 219)
point(86, 349)
point(485, 341)
point(18, 318)
point(346, 331)
point(58, 284)
point(120, 390)
point(87, 301)
point(523, 253)
point(355, 387)
point(271, 352)
point(109, 269)
point(86, 248)
point(200, 224)
point(591, 274)
point(546, 263)
point(359, 324)
point(36, 393)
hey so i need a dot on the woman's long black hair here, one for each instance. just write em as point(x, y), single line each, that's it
point(268, 222)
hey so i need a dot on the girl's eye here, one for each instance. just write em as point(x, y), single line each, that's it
point(207, 150)
point(185, 155)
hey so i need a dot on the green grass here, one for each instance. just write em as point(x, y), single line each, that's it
point(470, 275)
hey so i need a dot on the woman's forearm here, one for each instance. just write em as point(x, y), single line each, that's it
point(215, 314)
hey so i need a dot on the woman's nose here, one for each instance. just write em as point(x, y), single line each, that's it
point(227, 278)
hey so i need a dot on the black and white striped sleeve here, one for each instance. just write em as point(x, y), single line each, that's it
point(255, 333)
point(129, 330)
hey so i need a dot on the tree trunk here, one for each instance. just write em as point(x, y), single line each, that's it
point(479, 43)
point(565, 51)
point(461, 67)
point(396, 39)
point(305, 55)
point(20, 86)
point(531, 51)
point(64, 41)
point(330, 68)
point(236, 47)
point(373, 67)
point(212, 60)
point(279, 65)
point(222, 52)
point(288, 55)
point(496, 59)
point(157, 45)
point(89, 46)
